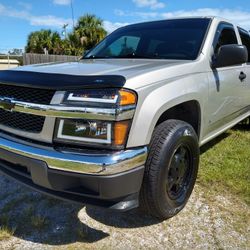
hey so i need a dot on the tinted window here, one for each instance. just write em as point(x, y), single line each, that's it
point(225, 34)
point(245, 38)
point(123, 46)
point(169, 39)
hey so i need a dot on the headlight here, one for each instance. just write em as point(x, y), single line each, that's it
point(109, 97)
point(85, 131)
point(92, 133)
point(97, 133)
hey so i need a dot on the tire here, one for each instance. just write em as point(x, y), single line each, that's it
point(245, 123)
point(170, 170)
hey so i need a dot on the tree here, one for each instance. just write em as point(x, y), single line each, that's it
point(42, 40)
point(90, 30)
point(87, 33)
point(15, 52)
point(73, 45)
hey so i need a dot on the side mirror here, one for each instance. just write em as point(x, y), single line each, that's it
point(229, 55)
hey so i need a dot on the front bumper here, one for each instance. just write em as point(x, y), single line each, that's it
point(111, 180)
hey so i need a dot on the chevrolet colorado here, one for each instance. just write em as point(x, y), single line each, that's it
point(122, 127)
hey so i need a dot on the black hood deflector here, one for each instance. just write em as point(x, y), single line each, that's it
point(59, 81)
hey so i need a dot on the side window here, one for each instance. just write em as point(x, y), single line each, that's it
point(225, 34)
point(245, 38)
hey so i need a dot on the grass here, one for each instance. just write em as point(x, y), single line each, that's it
point(225, 164)
point(224, 168)
point(6, 233)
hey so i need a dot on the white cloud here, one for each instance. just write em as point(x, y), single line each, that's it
point(143, 15)
point(2, 8)
point(48, 20)
point(240, 17)
point(110, 27)
point(152, 4)
point(62, 2)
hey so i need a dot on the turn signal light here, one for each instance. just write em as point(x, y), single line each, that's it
point(120, 132)
point(127, 97)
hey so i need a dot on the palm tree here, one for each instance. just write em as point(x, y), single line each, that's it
point(56, 44)
point(43, 39)
point(90, 30)
point(72, 45)
point(87, 33)
point(33, 43)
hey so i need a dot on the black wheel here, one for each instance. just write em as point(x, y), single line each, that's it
point(171, 169)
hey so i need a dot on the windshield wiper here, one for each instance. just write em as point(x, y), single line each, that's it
point(132, 55)
point(95, 57)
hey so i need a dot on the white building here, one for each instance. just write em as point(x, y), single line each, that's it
point(8, 64)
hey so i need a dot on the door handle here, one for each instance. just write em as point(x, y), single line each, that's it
point(242, 76)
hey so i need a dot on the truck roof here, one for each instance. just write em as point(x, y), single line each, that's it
point(189, 17)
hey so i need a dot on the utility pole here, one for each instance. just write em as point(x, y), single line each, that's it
point(8, 60)
point(65, 30)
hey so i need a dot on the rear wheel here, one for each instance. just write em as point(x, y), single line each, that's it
point(170, 170)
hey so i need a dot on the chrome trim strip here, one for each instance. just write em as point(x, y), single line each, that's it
point(46, 135)
point(84, 163)
point(71, 112)
point(71, 97)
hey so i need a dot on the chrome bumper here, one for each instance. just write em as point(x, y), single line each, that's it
point(84, 163)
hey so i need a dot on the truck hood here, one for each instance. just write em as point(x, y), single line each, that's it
point(125, 67)
point(114, 72)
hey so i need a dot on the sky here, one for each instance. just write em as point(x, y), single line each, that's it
point(20, 17)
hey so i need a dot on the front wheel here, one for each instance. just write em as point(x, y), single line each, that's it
point(170, 170)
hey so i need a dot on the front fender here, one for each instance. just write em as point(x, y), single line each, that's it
point(154, 100)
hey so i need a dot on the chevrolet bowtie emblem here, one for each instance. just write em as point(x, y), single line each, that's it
point(6, 104)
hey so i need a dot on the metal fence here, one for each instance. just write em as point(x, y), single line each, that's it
point(29, 58)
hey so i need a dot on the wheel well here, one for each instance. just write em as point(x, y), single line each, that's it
point(187, 111)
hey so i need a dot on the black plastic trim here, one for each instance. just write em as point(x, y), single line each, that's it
point(59, 81)
point(118, 192)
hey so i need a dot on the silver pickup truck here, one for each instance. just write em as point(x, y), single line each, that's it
point(122, 127)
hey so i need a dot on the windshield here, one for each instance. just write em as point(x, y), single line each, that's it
point(169, 39)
